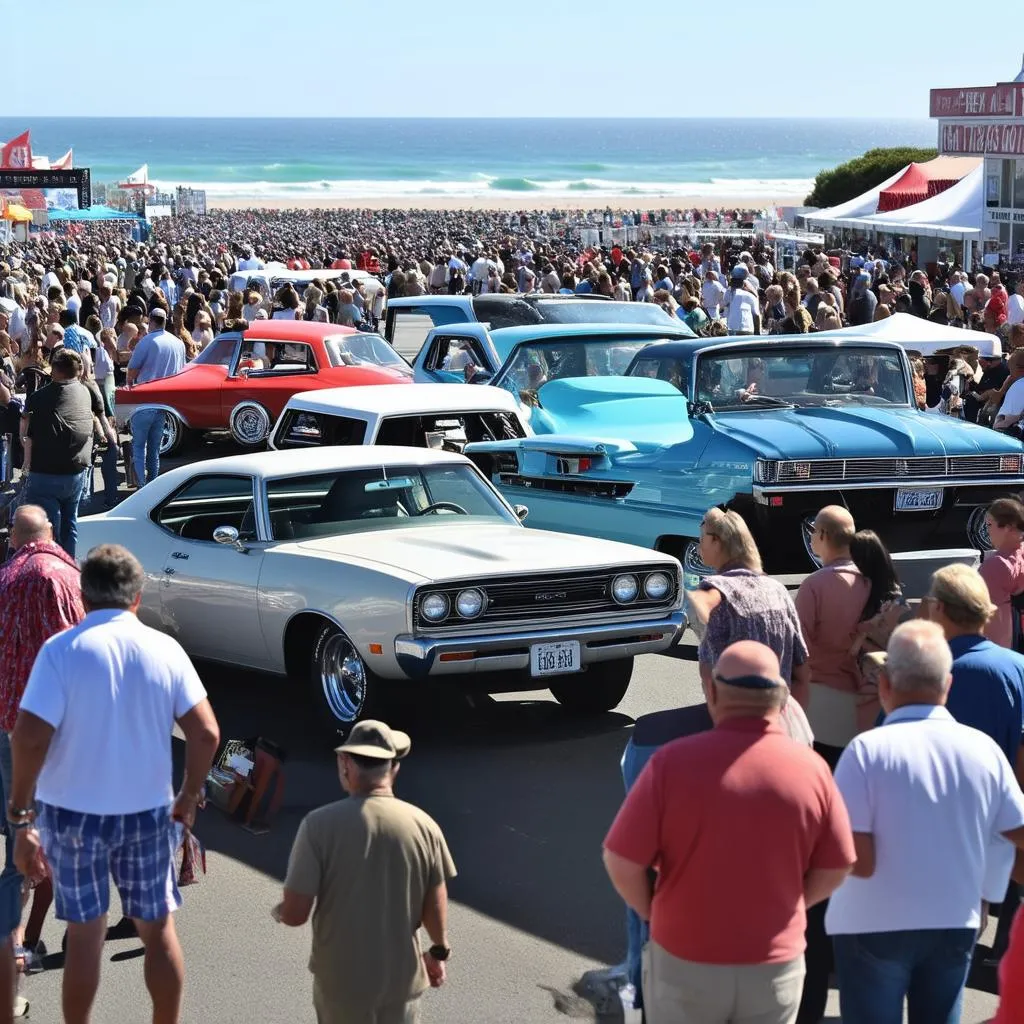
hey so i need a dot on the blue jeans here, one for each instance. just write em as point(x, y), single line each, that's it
point(110, 478)
point(147, 430)
point(927, 967)
point(637, 931)
point(10, 879)
point(58, 494)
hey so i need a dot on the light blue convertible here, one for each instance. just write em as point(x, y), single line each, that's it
point(775, 428)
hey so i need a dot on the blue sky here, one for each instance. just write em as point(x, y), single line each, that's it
point(402, 58)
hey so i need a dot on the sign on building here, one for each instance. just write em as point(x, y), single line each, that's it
point(962, 138)
point(1006, 100)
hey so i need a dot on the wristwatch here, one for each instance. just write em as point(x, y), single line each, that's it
point(440, 953)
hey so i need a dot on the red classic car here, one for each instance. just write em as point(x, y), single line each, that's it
point(241, 381)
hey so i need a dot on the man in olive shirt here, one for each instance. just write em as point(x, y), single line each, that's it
point(57, 433)
point(372, 869)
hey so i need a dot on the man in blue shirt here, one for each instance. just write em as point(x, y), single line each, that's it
point(158, 354)
point(988, 684)
point(76, 339)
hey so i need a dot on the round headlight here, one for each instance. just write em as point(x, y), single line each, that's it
point(470, 603)
point(625, 589)
point(657, 586)
point(434, 607)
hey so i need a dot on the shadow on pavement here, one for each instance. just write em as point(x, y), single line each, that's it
point(523, 791)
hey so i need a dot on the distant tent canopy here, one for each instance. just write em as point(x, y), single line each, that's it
point(17, 213)
point(921, 181)
point(93, 213)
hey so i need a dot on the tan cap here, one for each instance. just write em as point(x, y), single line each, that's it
point(375, 739)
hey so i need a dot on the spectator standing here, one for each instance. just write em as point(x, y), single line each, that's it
point(927, 797)
point(76, 338)
point(978, 402)
point(92, 750)
point(1015, 304)
point(1003, 568)
point(371, 869)
point(41, 596)
point(830, 603)
point(158, 354)
point(988, 687)
point(743, 312)
point(727, 930)
point(57, 435)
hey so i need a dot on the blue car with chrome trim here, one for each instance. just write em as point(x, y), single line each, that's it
point(773, 428)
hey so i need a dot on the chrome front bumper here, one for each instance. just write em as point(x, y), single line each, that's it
point(510, 652)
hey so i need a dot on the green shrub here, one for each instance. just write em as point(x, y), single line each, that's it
point(849, 180)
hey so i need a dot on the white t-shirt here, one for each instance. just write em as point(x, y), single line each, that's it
point(249, 311)
point(286, 314)
point(712, 293)
point(1015, 310)
point(50, 280)
point(742, 310)
point(937, 797)
point(109, 311)
point(103, 363)
point(112, 689)
point(1013, 400)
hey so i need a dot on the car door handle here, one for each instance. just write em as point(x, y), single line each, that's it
point(179, 554)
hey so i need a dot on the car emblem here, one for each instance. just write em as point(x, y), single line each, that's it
point(902, 467)
point(550, 595)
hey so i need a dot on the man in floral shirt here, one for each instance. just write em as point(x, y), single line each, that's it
point(40, 595)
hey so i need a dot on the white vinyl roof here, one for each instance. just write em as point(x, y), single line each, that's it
point(415, 399)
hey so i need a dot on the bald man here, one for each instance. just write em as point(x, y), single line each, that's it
point(727, 922)
point(830, 603)
point(41, 595)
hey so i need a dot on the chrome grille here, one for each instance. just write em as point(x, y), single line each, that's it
point(922, 467)
point(544, 597)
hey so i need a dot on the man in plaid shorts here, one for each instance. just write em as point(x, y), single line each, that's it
point(92, 744)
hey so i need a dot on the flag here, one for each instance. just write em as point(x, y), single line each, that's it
point(65, 163)
point(139, 177)
point(17, 154)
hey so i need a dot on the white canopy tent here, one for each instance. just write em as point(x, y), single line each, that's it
point(955, 213)
point(917, 335)
point(864, 205)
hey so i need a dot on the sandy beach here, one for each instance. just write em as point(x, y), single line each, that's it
point(526, 201)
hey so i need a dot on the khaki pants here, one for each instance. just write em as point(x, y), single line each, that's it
point(683, 992)
point(331, 1009)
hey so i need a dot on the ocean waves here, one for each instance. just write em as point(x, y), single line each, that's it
point(486, 186)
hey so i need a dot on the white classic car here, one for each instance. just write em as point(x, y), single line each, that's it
point(346, 568)
point(441, 416)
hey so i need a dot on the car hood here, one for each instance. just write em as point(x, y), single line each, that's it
point(828, 433)
point(452, 552)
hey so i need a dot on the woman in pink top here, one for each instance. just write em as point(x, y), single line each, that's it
point(1003, 568)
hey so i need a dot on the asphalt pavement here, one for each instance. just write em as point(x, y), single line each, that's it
point(524, 794)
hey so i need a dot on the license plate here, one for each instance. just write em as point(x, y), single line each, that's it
point(911, 499)
point(555, 659)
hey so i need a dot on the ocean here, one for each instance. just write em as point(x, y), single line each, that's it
point(308, 158)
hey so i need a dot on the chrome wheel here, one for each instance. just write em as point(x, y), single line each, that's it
point(977, 531)
point(250, 423)
point(807, 532)
point(170, 439)
point(342, 679)
point(694, 569)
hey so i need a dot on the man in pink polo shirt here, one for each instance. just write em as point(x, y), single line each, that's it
point(745, 829)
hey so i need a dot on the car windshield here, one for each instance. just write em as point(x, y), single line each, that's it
point(535, 363)
point(363, 349)
point(356, 500)
point(765, 376)
point(218, 353)
point(523, 311)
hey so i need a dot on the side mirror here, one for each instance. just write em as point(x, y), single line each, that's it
point(228, 536)
point(521, 512)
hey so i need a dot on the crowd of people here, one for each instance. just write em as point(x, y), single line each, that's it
point(878, 850)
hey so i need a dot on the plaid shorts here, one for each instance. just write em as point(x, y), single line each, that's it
point(85, 850)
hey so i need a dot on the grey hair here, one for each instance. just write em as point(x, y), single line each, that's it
point(919, 659)
point(111, 577)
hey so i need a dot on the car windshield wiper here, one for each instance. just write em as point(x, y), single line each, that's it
point(756, 399)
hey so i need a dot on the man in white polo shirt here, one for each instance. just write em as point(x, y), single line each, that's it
point(92, 743)
point(927, 798)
